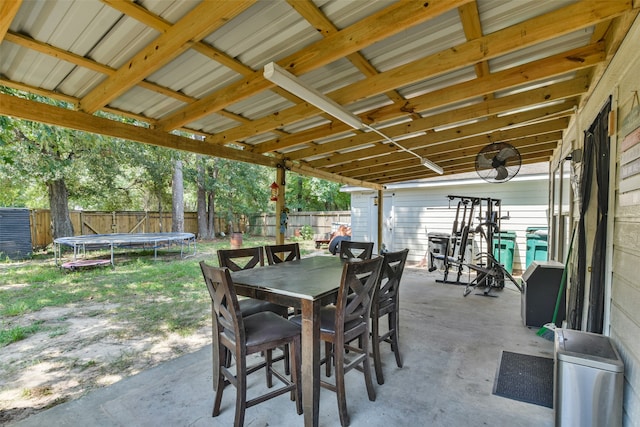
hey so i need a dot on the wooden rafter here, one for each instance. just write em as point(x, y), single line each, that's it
point(535, 30)
point(8, 10)
point(385, 23)
point(163, 49)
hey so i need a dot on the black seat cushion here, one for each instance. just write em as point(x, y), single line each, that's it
point(267, 326)
point(328, 320)
point(251, 306)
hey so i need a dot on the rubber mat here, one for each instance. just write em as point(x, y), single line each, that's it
point(525, 378)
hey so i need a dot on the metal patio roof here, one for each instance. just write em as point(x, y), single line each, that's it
point(446, 77)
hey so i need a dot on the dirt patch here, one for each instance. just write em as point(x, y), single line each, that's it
point(78, 349)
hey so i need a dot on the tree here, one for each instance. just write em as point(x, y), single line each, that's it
point(177, 202)
point(45, 153)
point(314, 194)
point(205, 198)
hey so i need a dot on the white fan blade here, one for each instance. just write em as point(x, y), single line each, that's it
point(485, 163)
point(505, 153)
point(503, 173)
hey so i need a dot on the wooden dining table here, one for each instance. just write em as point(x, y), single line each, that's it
point(306, 284)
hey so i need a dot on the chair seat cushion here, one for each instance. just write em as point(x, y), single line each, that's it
point(267, 326)
point(328, 320)
point(250, 306)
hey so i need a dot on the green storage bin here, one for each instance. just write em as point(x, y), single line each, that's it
point(537, 244)
point(504, 244)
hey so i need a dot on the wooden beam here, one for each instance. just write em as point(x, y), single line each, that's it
point(304, 169)
point(8, 11)
point(545, 27)
point(536, 30)
point(422, 172)
point(361, 169)
point(156, 22)
point(505, 104)
point(197, 24)
point(431, 140)
point(547, 142)
point(312, 13)
point(78, 120)
point(384, 23)
point(558, 64)
point(81, 61)
point(71, 100)
point(143, 15)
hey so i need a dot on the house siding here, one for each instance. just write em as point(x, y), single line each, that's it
point(623, 297)
point(419, 211)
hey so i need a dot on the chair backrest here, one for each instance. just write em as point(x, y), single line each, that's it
point(390, 275)
point(362, 250)
point(241, 259)
point(228, 326)
point(353, 305)
point(282, 253)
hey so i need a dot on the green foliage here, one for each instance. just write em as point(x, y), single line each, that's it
point(104, 173)
point(313, 194)
point(306, 232)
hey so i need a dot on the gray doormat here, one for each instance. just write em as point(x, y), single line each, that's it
point(525, 378)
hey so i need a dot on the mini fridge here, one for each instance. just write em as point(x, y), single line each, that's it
point(588, 380)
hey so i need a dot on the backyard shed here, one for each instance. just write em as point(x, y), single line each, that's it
point(15, 233)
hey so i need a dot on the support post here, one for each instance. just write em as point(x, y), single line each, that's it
point(380, 219)
point(280, 204)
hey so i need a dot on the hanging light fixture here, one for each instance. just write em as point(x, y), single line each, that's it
point(287, 81)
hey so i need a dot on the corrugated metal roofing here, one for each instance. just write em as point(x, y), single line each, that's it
point(414, 64)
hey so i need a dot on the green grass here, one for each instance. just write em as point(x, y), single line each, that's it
point(18, 333)
point(153, 296)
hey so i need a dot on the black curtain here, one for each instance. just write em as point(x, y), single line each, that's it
point(595, 162)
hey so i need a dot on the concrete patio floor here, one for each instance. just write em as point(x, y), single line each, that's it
point(451, 347)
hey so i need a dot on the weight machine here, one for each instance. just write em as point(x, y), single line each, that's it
point(490, 273)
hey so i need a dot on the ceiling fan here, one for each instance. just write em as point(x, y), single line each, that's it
point(498, 162)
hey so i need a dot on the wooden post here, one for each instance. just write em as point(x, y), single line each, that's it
point(280, 203)
point(380, 219)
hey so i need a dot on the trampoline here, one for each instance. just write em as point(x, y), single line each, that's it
point(155, 241)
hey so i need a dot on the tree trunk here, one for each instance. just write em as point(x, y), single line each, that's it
point(58, 202)
point(210, 214)
point(203, 229)
point(212, 200)
point(177, 197)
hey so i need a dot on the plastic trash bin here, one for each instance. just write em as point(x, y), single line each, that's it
point(588, 380)
point(504, 244)
point(537, 244)
point(437, 245)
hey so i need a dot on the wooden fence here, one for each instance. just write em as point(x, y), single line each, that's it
point(97, 222)
point(322, 223)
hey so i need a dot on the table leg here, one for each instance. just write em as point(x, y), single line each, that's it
point(311, 362)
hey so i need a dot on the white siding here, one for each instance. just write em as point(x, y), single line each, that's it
point(418, 211)
point(621, 80)
point(625, 286)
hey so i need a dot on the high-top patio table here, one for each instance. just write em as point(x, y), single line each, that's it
point(307, 284)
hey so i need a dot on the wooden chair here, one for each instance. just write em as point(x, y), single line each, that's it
point(243, 259)
point(386, 302)
point(347, 321)
point(240, 336)
point(282, 253)
point(361, 250)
